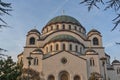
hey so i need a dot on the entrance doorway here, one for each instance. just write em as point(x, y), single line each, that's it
point(64, 75)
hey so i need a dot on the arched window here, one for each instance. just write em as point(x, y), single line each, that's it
point(32, 41)
point(57, 27)
point(76, 48)
point(57, 47)
point(95, 41)
point(92, 63)
point(79, 29)
point(36, 61)
point(77, 77)
point(46, 29)
point(51, 27)
point(71, 47)
point(46, 49)
point(80, 49)
point(118, 70)
point(70, 27)
point(51, 48)
point(75, 28)
point(51, 77)
point(63, 46)
point(63, 26)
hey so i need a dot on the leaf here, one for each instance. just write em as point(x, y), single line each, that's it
point(2, 20)
point(5, 4)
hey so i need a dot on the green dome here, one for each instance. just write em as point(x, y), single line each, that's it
point(67, 38)
point(115, 61)
point(34, 30)
point(94, 30)
point(63, 18)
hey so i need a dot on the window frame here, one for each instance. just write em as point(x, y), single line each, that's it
point(32, 41)
point(95, 41)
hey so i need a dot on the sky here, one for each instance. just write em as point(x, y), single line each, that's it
point(27, 14)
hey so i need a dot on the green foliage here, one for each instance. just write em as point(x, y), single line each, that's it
point(107, 4)
point(9, 70)
point(29, 73)
point(94, 76)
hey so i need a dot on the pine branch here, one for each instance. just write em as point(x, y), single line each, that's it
point(92, 3)
point(116, 21)
point(5, 8)
point(117, 43)
point(3, 4)
point(4, 26)
point(111, 4)
point(3, 50)
point(114, 4)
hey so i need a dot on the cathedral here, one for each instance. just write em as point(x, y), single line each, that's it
point(63, 50)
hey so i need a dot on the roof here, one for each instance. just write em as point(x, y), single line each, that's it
point(34, 30)
point(20, 54)
point(115, 61)
point(64, 37)
point(94, 30)
point(107, 55)
point(111, 68)
point(63, 18)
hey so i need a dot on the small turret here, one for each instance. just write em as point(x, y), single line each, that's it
point(32, 37)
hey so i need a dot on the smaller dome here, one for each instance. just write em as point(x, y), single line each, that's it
point(115, 61)
point(38, 50)
point(94, 30)
point(64, 38)
point(34, 30)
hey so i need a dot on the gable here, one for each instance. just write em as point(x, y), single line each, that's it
point(64, 61)
point(63, 52)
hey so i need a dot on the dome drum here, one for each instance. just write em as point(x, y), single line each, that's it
point(63, 42)
point(63, 46)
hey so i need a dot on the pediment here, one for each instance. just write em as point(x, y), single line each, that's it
point(64, 53)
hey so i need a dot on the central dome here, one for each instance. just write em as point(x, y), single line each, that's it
point(63, 18)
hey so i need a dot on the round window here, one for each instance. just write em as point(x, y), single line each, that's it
point(64, 60)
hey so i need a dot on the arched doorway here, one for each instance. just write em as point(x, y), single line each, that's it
point(51, 77)
point(64, 75)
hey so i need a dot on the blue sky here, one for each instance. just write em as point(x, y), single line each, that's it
point(29, 13)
